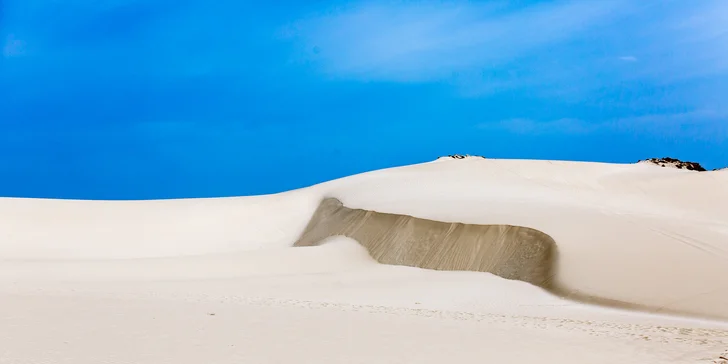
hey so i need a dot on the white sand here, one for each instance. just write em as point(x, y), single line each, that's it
point(215, 280)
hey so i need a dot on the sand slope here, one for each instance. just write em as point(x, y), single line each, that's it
point(636, 234)
point(511, 252)
point(217, 280)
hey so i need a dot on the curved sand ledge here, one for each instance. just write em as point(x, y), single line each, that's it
point(511, 252)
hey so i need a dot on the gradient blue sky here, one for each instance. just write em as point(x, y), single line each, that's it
point(125, 99)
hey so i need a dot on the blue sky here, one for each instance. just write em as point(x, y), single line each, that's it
point(127, 99)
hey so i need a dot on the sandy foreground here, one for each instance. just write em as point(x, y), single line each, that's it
point(218, 281)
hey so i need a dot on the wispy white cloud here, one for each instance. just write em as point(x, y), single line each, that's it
point(705, 124)
point(679, 41)
point(708, 125)
point(558, 48)
point(416, 42)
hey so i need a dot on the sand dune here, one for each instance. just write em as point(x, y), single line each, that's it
point(218, 280)
point(631, 235)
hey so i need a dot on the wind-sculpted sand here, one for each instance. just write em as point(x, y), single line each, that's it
point(217, 280)
point(512, 252)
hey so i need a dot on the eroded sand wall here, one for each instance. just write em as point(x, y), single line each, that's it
point(511, 252)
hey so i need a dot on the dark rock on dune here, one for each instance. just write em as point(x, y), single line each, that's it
point(674, 163)
point(462, 156)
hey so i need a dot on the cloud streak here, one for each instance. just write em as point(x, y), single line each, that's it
point(705, 125)
point(415, 42)
point(559, 48)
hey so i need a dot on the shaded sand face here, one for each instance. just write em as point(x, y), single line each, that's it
point(512, 252)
